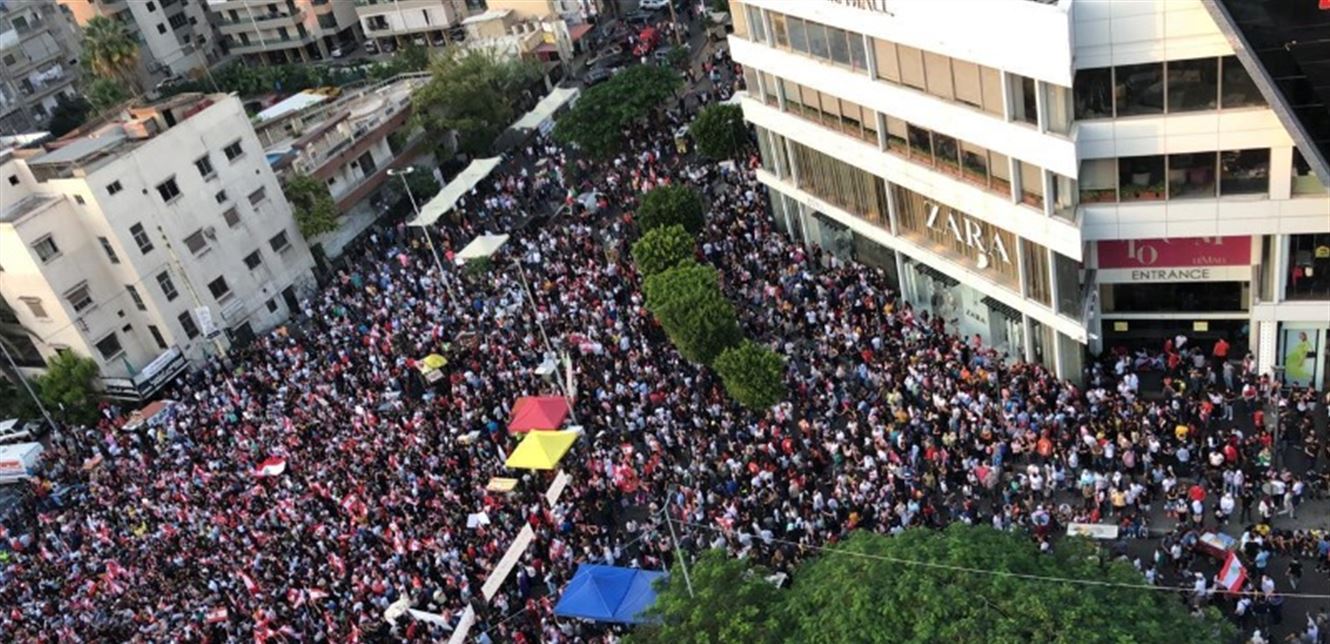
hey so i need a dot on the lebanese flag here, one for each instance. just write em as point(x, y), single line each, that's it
point(274, 466)
point(252, 587)
point(218, 615)
point(1232, 576)
point(316, 594)
point(336, 562)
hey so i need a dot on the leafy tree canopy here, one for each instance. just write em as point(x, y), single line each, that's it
point(663, 248)
point(719, 131)
point(733, 603)
point(105, 93)
point(596, 121)
point(753, 374)
point(473, 93)
point(110, 50)
point(69, 113)
point(67, 386)
point(689, 305)
point(312, 204)
point(671, 205)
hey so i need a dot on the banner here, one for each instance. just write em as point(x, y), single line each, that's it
point(505, 566)
point(463, 626)
point(556, 488)
point(1300, 356)
point(1092, 530)
point(204, 315)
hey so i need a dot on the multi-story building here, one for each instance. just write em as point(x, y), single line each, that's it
point(426, 22)
point(571, 10)
point(148, 240)
point(286, 31)
point(38, 63)
point(175, 37)
point(1054, 177)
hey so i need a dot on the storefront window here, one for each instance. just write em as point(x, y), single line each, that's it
point(1238, 89)
point(1174, 297)
point(1037, 277)
point(1099, 180)
point(1244, 172)
point(1067, 272)
point(1141, 178)
point(1305, 181)
point(1093, 92)
point(1191, 176)
point(964, 239)
point(1308, 274)
point(1139, 89)
point(861, 193)
point(1193, 84)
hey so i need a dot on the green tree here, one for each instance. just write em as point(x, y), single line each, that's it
point(312, 204)
point(110, 51)
point(733, 603)
point(473, 93)
point(753, 374)
point(595, 124)
point(689, 305)
point(719, 131)
point(67, 386)
point(69, 113)
point(14, 401)
point(670, 205)
point(663, 248)
point(422, 184)
point(106, 93)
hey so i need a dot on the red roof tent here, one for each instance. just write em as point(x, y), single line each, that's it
point(576, 32)
point(538, 412)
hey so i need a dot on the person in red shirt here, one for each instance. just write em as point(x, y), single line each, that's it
point(1220, 352)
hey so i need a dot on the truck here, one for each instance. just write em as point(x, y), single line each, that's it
point(19, 461)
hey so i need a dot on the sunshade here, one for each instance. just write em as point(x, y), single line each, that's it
point(482, 246)
point(608, 594)
point(433, 361)
point(541, 450)
point(460, 185)
point(538, 412)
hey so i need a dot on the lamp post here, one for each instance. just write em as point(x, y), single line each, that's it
point(404, 173)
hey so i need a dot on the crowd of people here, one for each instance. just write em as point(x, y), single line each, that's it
point(171, 531)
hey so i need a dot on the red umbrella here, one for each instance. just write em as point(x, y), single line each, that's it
point(538, 412)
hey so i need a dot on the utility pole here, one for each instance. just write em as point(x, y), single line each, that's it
point(193, 294)
point(438, 263)
point(674, 18)
point(678, 553)
point(549, 347)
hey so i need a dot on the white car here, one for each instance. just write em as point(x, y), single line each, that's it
point(653, 5)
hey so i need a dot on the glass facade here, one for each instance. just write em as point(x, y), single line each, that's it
point(1199, 175)
point(861, 193)
point(956, 235)
point(1166, 87)
point(1308, 276)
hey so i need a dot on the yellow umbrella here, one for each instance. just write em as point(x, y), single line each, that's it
point(433, 361)
point(541, 450)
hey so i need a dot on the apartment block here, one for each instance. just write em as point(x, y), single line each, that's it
point(175, 37)
point(1056, 178)
point(150, 240)
point(425, 22)
point(286, 31)
point(38, 64)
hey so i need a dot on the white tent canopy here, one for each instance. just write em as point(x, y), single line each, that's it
point(460, 185)
point(546, 108)
point(482, 246)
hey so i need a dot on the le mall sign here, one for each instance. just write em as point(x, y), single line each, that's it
point(1185, 259)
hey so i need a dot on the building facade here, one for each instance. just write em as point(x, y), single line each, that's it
point(176, 38)
point(150, 240)
point(432, 23)
point(1056, 178)
point(289, 31)
point(38, 64)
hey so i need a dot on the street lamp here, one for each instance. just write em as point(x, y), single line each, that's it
point(404, 173)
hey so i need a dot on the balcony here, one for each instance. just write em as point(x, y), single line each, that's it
point(270, 44)
point(266, 21)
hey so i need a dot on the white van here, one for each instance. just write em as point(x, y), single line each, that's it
point(19, 461)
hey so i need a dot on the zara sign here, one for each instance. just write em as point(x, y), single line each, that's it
point(970, 233)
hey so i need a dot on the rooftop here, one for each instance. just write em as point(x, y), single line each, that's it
point(492, 14)
point(11, 213)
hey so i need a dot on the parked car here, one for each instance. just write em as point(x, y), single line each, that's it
point(638, 19)
point(371, 46)
point(610, 56)
point(597, 76)
point(438, 40)
point(662, 55)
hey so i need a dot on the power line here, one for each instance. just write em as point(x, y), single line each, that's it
point(986, 571)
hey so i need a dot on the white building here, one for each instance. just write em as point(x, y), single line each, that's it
point(286, 31)
point(1054, 177)
point(38, 64)
point(427, 22)
point(175, 37)
point(159, 233)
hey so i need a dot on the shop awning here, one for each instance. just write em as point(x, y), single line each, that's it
point(541, 450)
point(608, 594)
point(577, 32)
point(538, 412)
point(546, 108)
point(460, 185)
point(482, 246)
point(1007, 311)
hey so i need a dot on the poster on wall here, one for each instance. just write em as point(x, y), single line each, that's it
point(1300, 357)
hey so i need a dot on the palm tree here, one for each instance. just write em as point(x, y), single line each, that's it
point(109, 50)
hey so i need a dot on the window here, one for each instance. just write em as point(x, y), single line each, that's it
point(279, 242)
point(110, 252)
point(1191, 176)
point(219, 288)
point(1000, 167)
point(817, 40)
point(798, 35)
point(35, 305)
point(991, 79)
point(1238, 89)
point(1032, 185)
point(1304, 180)
point(204, 166)
point(1037, 278)
point(78, 199)
point(231, 217)
point(195, 242)
point(259, 195)
point(1139, 89)
point(1064, 197)
point(948, 153)
point(1098, 181)
point(220, 197)
point(233, 151)
point(1244, 172)
point(161, 28)
point(13, 180)
point(858, 55)
point(1193, 84)
point(921, 144)
point(46, 249)
point(157, 336)
point(138, 299)
point(842, 184)
point(1309, 266)
point(778, 30)
point(1023, 102)
point(80, 298)
point(253, 260)
point(839, 45)
point(168, 287)
point(1141, 178)
point(937, 71)
point(178, 20)
point(884, 54)
point(968, 88)
point(151, 7)
point(1067, 272)
point(1093, 93)
point(974, 163)
point(272, 305)
point(168, 190)
point(141, 238)
point(113, 187)
point(109, 346)
point(187, 323)
point(912, 67)
point(1057, 108)
point(754, 24)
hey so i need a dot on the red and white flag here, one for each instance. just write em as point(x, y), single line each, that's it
point(252, 587)
point(336, 562)
point(218, 615)
point(1232, 576)
point(273, 466)
point(316, 594)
